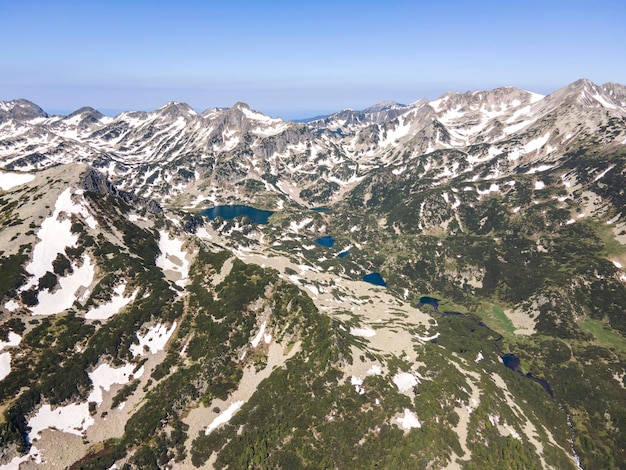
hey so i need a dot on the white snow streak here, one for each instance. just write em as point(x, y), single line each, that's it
point(428, 338)
point(5, 365)
point(603, 173)
point(257, 339)
point(224, 417)
point(363, 332)
point(117, 303)
point(538, 169)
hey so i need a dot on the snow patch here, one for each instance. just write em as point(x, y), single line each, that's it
point(297, 226)
point(104, 376)
point(202, 233)
point(155, 339)
point(405, 381)
point(11, 305)
point(75, 418)
point(255, 341)
point(11, 180)
point(5, 365)
point(362, 332)
point(494, 188)
point(537, 143)
point(224, 417)
point(172, 257)
point(314, 290)
point(13, 340)
point(17, 461)
point(428, 338)
point(358, 385)
point(603, 102)
point(65, 296)
point(538, 169)
point(72, 419)
point(55, 236)
point(513, 433)
point(409, 420)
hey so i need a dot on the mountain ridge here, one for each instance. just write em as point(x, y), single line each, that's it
point(360, 140)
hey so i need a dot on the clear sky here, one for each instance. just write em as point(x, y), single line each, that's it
point(299, 59)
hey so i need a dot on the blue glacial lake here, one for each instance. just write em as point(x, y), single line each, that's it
point(257, 216)
point(375, 278)
point(326, 241)
point(343, 254)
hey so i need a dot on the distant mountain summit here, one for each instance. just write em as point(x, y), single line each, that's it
point(20, 110)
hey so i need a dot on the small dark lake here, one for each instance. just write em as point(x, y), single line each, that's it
point(511, 361)
point(343, 254)
point(375, 278)
point(430, 301)
point(257, 216)
point(326, 241)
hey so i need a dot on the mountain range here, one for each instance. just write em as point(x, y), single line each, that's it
point(138, 332)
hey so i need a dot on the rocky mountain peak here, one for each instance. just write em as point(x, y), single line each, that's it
point(586, 95)
point(86, 110)
point(497, 99)
point(240, 105)
point(85, 117)
point(383, 106)
point(176, 109)
point(21, 110)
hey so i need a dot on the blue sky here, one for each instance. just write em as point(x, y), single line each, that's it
point(299, 59)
